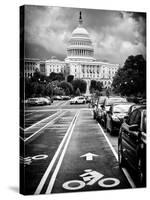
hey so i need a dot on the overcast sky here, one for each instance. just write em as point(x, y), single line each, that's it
point(115, 35)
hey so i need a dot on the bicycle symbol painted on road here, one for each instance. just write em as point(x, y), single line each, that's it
point(90, 177)
point(28, 160)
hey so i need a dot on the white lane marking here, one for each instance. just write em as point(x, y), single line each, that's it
point(21, 128)
point(44, 127)
point(49, 168)
point(129, 178)
point(116, 156)
point(21, 138)
point(89, 156)
point(113, 150)
point(51, 183)
point(64, 103)
point(41, 120)
point(28, 114)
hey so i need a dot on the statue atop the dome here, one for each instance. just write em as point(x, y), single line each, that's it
point(80, 18)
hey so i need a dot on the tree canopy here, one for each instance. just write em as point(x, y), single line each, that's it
point(79, 83)
point(131, 79)
point(96, 86)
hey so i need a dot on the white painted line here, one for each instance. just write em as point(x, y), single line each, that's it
point(21, 138)
point(110, 145)
point(21, 128)
point(41, 120)
point(48, 170)
point(44, 126)
point(116, 156)
point(53, 178)
point(128, 178)
point(28, 114)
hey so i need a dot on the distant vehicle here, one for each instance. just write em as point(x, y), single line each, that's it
point(57, 98)
point(35, 101)
point(50, 99)
point(97, 110)
point(65, 97)
point(78, 100)
point(115, 116)
point(132, 143)
point(106, 106)
point(46, 101)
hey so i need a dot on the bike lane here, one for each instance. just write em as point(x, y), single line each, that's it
point(89, 157)
point(40, 151)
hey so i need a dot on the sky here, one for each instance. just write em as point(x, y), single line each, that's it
point(115, 34)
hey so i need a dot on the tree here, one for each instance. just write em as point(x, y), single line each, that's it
point(79, 83)
point(77, 93)
point(99, 86)
point(67, 87)
point(56, 76)
point(96, 85)
point(70, 78)
point(131, 79)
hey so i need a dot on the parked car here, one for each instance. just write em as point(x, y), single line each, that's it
point(115, 116)
point(134, 106)
point(35, 101)
point(97, 110)
point(57, 98)
point(78, 100)
point(65, 97)
point(46, 100)
point(132, 143)
point(106, 106)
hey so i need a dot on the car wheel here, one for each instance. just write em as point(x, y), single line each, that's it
point(121, 159)
point(76, 102)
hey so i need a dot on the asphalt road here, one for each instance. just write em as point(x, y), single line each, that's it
point(67, 151)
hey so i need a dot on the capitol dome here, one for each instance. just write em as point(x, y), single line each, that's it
point(80, 30)
point(80, 45)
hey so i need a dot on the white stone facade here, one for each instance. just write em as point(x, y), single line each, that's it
point(30, 65)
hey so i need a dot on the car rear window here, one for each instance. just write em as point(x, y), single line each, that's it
point(115, 100)
point(121, 108)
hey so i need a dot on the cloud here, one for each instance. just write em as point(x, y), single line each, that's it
point(115, 35)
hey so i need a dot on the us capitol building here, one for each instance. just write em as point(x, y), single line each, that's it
point(80, 61)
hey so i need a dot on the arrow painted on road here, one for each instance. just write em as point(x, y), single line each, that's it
point(89, 156)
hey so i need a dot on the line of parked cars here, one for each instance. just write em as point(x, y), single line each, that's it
point(39, 101)
point(128, 121)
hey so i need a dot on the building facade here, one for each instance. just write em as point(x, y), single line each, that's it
point(80, 61)
point(30, 65)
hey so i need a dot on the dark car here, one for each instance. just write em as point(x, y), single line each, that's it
point(132, 143)
point(115, 116)
point(134, 106)
point(106, 106)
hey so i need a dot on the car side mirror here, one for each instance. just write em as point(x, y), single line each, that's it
point(134, 127)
